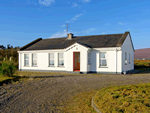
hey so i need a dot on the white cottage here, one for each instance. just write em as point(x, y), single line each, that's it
point(112, 53)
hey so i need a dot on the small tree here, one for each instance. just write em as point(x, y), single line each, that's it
point(8, 67)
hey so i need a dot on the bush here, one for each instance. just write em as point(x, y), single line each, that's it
point(8, 68)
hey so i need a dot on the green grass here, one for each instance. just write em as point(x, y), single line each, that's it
point(124, 99)
point(3, 78)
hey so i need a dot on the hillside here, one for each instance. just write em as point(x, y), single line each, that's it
point(142, 53)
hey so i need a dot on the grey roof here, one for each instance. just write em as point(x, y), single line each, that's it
point(94, 41)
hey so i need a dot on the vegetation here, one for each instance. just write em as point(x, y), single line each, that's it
point(124, 99)
point(80, 103)
point(8, 62)
point(3, 78)
point(8, 68)
point(142, 63)
point(9, 52)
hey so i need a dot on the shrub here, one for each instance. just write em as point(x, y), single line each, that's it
point(8, 68)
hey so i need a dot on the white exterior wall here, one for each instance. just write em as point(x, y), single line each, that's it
point(83, 57)
point(127, 47)
point(114, 63)
point(42, 61)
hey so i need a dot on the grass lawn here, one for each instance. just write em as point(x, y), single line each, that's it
point(113, 99)
point(2, 77)
point(13, 79)
point(121, 99)
point(80, 103)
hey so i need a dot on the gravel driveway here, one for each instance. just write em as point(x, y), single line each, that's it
point(46, 94)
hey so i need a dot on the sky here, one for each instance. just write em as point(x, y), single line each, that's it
point(22, 21)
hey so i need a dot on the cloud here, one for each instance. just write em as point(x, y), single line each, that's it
point(86, 0)
point(46, 2)
point(103, 33)
point(76, 16)
point(63, 25)
point(64, 34)
point(74, 4)
point(108, 24)
point(84, 11)
point(29, 2)
point(120, 23)
point(90, 30)
point(59, 34)
point(67, 21)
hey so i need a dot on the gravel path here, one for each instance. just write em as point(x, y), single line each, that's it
point(46, 94)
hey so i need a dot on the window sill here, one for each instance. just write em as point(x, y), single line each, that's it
point(34, 66)
point(26, 66)
point(102, 67)
point(61, 66)
point(51, 66)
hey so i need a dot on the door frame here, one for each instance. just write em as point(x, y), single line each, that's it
point(74, 61)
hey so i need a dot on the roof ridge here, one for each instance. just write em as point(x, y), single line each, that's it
point(122, 39)
point(84, 36)
point(100, 35)
point(54, 38)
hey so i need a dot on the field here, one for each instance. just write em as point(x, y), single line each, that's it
point(127, 98)
point(141, 63)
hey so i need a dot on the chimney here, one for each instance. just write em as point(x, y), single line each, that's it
point(70, 36)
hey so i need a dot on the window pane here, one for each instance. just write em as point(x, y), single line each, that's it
point(26, 56)
point(103, 62)
point(51, 55)
point(60, 55)
point(61, 62)
point(125, 56)
point(34, 63)
point(103, 55)
point(51, 62)
point(34, 56)
point(26, 62)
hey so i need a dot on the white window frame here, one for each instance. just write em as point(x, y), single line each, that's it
point(34, 59)
point(51, 59)
point(126, 59)
point(26, 59)
point(60, 59)
point(100, 59)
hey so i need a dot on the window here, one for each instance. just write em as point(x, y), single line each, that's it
point(60, 59)
point(51, 59)
point(129, 58)
point(89, 58)
point(34, 60)
point(26, 59)
point(103, 59)
point(125, 58)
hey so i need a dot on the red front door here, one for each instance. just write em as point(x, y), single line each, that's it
point(76, 61)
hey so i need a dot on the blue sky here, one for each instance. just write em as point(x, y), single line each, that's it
point(22, 21)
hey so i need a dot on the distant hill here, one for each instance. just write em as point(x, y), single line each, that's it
point(142, 53)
